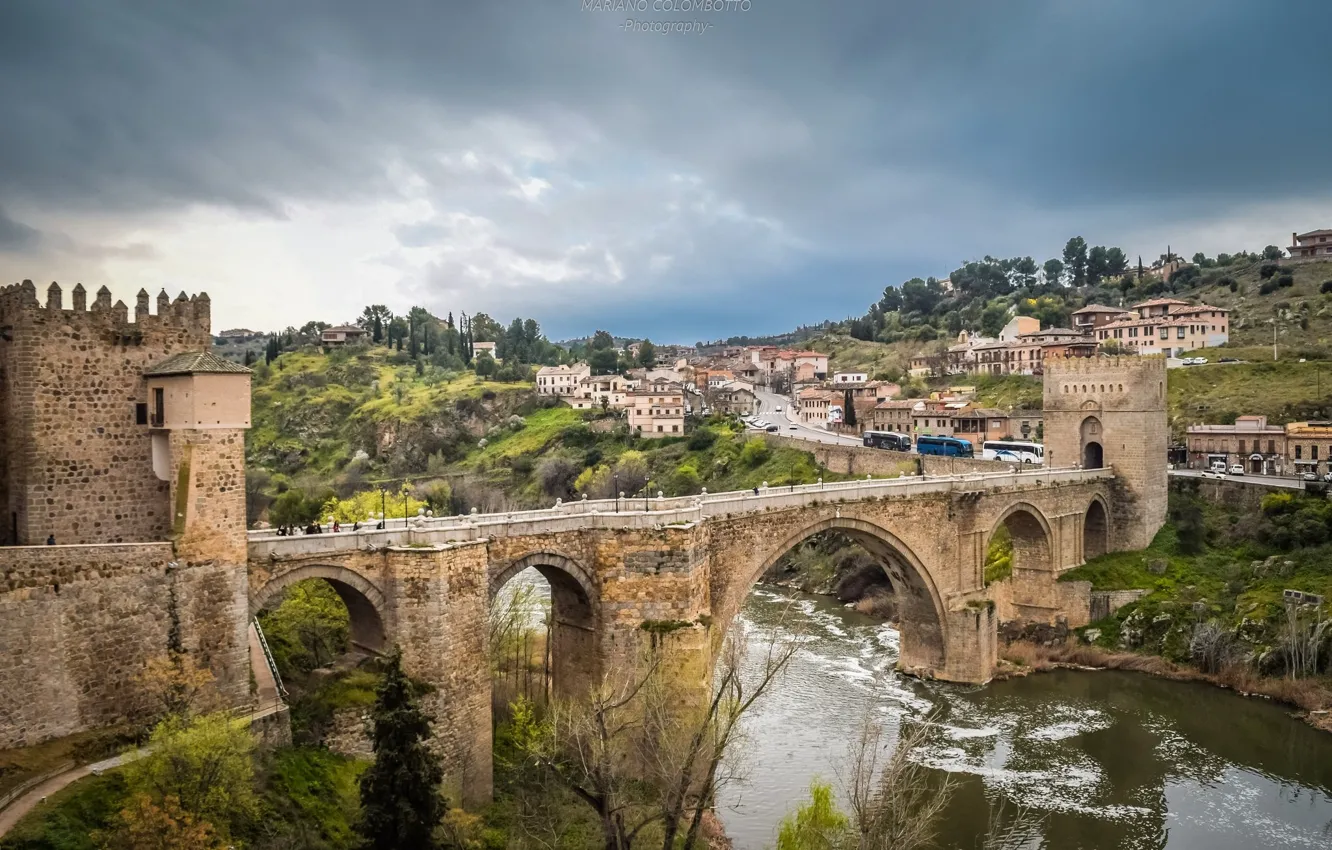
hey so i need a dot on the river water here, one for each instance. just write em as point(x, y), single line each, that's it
point(1098, 759)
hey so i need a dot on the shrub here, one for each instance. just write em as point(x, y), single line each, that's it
point(1285, 280)
point(701, 440)
point(686, 481)
point(1267, 288)
point(1326, 287)
point(1266, 270)
point(755, 452)
point(556, 476)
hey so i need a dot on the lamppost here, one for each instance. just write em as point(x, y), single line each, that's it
point(615, 482)
point(383, 505)
point(646, 485)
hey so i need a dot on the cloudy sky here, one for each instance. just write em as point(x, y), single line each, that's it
point(298, 160)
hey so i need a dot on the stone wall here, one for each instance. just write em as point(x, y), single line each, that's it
point(1243, 495)
point(76, 463)
point(348, 734)
point(78, 623)
point(851, 460)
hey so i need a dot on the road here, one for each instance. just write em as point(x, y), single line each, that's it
point(768, 404)
point(1264, 480)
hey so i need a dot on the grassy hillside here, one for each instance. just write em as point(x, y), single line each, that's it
point(339, 425)
point(1304, 313)
point(887, 361)
point(1284, 391)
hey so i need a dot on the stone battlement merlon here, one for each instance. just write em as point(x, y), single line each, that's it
point(1057, 364)
point(21, 301)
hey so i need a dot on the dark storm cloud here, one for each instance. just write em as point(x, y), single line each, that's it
point(871, 139)
point(16, 236)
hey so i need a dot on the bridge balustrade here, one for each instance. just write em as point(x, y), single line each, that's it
point(636, 514)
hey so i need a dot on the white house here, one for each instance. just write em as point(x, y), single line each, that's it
point(487, 347)
point(561, 380)
point(850, 378)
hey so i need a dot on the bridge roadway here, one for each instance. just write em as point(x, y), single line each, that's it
point(641, 513)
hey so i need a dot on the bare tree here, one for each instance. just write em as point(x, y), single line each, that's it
point(895, 804)
point(1302, 639)
point(689, 759)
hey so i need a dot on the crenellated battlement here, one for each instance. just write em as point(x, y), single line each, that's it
point(1103, 364)
point(21, 303)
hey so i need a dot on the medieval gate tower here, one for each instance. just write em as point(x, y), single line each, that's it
point(1110, 412)
point(121, 442)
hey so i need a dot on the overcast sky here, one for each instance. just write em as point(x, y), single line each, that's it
point(298, 160)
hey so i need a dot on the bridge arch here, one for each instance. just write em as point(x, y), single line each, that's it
point(1033, 539)
point(923, 618)
point(364, 600)
point(1095, 529)
point(574, 617)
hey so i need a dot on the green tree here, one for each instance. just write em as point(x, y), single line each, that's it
point(1024, 272)
point(1116, 264)
point(1075, 260)
point(602, 340)
point(400, 801)
point(647, 354)
point(205, 763)
point(148, 825)
point(1098, 265)
point(755, 452)
point(375, 319)
point(293, 508)
point(993, 319)
point(603, 361)
point(1052, 272)
point(485, 365)
point(816, 825)
point(848, 409)
point(1272, 252)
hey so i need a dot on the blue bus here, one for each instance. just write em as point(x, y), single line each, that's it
point(949, 446)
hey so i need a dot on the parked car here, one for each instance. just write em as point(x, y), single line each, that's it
point(1236, 469)
point(1310, 476)
point(793, 428)
point(772, 429)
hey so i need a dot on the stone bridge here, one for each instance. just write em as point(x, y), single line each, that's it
point(675, 572)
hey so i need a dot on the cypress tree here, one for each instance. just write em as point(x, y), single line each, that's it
point(400, 800)
point(848, 409)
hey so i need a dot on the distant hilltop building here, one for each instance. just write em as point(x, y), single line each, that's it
point(1314, 245)
point(342, 335)
point(486, 347)
point(238, 335)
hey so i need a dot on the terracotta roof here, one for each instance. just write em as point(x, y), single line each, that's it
point(1156, 302)
point(346, 329)
point(1100, 308)
point(1323, 232)
point(195, 363)
point(1200, 308)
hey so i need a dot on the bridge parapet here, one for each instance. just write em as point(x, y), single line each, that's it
point(609, 514)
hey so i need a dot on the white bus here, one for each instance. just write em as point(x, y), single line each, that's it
point(1011, 451)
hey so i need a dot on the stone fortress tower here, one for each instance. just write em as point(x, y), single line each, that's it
point(1111, 412)
point(123, 439)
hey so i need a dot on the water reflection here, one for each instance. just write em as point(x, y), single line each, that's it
point(1105, 759)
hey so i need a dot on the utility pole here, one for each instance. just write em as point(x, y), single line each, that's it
point(1274, 342)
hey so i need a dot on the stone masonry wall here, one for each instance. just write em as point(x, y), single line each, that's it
point(1118, 402)
point(77, 464)
point(77, 623)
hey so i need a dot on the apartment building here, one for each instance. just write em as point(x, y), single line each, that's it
point(657, 409)
point(561, 380)
point(596, 391)
point(1167, 326)
point(1250, 442)
point(892, 415)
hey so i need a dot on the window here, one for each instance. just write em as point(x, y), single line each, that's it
point(1241, 447)
point(1299, 452)
point(1165, 333)
point(1313, 453)
point(1271, 447)
point(159, 406)
point(141, 414)
point(1179, 334)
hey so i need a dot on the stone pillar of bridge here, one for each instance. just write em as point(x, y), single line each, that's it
point(972, 645)
point(654, 609)
point(437, 612)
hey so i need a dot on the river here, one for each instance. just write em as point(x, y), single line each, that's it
point(1099, 759)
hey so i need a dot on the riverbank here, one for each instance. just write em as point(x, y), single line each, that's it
point(1312, 696)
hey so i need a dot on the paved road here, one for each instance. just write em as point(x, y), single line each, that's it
point(1264, 480)
point(768, 404)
